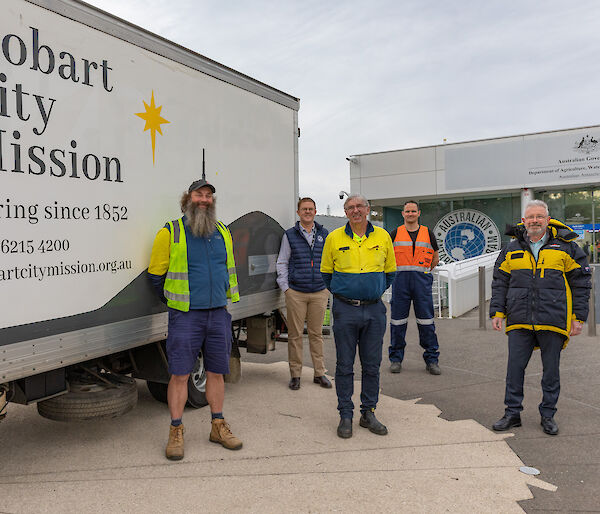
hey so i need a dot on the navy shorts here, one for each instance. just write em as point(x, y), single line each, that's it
point(207, 331)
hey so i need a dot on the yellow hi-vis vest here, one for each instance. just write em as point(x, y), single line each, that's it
point(177, 286)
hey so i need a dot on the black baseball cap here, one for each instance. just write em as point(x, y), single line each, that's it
point(200, 183)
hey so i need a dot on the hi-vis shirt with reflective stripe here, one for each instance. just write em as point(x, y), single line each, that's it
point(403, 250)
point(177, 287)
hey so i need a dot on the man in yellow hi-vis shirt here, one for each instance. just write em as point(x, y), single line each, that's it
point(193, 270)
point(358, 265)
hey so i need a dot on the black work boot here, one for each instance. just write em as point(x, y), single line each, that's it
point(549, 426)
point(368, 420)
point(506, 422)
point(344, 429)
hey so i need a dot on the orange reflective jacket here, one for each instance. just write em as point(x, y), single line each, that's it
point(403, 250)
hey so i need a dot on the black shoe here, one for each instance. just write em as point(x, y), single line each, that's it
point(549, 426)
point(344, 429)
point(294, 383)
point(368, 420)
point(396, 367)
point(507, 422)
point(323, 381)
point(433, 368)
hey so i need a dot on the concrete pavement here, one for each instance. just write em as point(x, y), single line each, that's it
point(471, 386)
point(292, 460)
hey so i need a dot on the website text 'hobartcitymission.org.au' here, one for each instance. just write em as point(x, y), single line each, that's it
point(31, 271)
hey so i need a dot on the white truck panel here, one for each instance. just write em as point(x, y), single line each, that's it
point(251, 158)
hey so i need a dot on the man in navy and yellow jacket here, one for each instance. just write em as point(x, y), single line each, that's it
point(541, 287)
point(358, 265)
point(192, 268)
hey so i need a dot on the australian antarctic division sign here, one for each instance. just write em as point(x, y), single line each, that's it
point(567, 157)
point(466, 233)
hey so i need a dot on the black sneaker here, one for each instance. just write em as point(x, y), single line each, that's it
point(368, 420)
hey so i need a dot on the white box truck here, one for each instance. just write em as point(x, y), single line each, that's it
point(102, 127)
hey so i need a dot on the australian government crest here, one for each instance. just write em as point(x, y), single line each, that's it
point(466, 233)
point(586, 145)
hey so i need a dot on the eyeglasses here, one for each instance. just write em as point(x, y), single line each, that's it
point(307, 209)
point(532, 217)
point(351, 208)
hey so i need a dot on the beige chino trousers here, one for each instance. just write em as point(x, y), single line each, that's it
point(310, 307)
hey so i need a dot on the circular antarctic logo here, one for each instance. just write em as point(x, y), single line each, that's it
point(466, 233)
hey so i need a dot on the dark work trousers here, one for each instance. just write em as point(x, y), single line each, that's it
point(520, 347)
point(413, 286)
point(363, 326)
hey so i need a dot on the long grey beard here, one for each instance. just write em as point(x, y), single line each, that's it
point(202, 222)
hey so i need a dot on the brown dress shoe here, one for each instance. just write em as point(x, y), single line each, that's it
point(174, 450)
point(294, 384)
point(323, 381)
point(221, 433)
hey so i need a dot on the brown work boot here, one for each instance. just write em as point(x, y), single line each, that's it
point(221, 433)
point(174, 449)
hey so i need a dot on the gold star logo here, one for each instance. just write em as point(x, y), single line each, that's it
point(153, 121)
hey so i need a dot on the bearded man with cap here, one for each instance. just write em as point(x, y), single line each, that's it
point(193, 270)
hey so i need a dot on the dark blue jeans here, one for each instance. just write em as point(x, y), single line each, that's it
point(362, 326)
point(520, 346)
point(415, 287)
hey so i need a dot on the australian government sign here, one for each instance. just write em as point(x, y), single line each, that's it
point(555, 158)
point(466, 233)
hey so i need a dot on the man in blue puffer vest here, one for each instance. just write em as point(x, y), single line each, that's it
point(299, 277)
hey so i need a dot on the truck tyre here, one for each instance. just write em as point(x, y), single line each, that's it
point(158, 390)
point(91, 401)
point(196, 387)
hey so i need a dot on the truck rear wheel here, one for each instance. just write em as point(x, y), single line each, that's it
point(86, 401)
point(196, 387)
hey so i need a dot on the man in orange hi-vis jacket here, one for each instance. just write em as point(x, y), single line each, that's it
point(416, 252)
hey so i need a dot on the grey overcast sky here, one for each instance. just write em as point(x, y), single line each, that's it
point(384, 75)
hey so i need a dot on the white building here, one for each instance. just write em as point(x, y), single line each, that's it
point(470, 191)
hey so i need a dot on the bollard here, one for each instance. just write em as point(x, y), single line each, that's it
point(482, 313)
point(592, 315)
